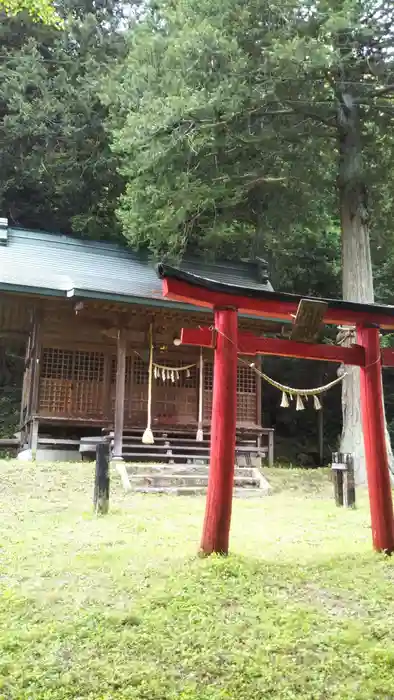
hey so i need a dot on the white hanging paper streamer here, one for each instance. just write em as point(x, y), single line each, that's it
point(285, 401)
point(316, 403)
point(299, 404)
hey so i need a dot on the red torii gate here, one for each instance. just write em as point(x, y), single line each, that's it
point(227, 301)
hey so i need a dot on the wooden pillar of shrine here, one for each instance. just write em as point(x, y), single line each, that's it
point(35, 372)
point(372, 411)
point(119, 393)
point(216, 529)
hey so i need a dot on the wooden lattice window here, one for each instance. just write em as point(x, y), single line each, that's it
point(129, 368)
point(88, 366)
point(246, 380)
point(246, 393)
point(208, 376)
point(69, 364)
point(71, 382)
point(57, 363)
point(140, 372)
point(208, 387)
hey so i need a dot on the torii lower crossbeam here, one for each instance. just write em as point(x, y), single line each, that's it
point(227, 301)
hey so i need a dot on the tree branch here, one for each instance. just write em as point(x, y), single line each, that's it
point(382, 91)
point(327, 121)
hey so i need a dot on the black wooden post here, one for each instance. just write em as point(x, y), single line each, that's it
point(337, 477)
point(349, 488)
point(343, 479)
point(101, 481)
point(320, 432)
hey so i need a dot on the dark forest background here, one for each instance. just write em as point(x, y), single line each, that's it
point(205, 128)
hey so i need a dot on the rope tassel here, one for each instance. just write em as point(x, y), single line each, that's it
point(285, 401)
point(200, 432)
point(147, 437)
point(299, 404)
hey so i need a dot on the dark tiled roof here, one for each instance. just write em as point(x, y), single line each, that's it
point(66, 266)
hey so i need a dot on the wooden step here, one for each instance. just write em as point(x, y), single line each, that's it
point(59, 441)
point(127, 438)
point(133, 447)
point(163, 432)
point(196, 447)
point(161, 457)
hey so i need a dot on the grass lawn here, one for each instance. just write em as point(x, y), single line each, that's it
point(120, 607)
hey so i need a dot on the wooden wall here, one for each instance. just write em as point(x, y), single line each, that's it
point(15, 315)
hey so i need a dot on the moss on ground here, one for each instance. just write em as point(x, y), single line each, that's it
point(120, 607)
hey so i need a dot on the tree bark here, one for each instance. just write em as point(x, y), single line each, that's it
point(357, 279)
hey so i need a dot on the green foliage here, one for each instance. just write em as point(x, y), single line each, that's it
point(39, 10)
point(207, 152)
point(121, 608)
point(227, 120)
point(11, 372)
point(57, 168)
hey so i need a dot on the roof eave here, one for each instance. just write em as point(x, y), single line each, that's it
point(160, 303)
point(27, 289)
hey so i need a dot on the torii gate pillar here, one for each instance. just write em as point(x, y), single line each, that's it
point(376, 457)
point(216, 530)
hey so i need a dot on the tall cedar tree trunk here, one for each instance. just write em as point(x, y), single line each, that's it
point(357, 280)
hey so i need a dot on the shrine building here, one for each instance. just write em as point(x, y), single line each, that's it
point(89, 314)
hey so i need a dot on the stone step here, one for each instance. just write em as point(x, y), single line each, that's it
point(181, 469)
point(180, 480)
point(197, 491)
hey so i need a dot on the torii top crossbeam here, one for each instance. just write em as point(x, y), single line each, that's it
point(227, 301)
point(190, 288)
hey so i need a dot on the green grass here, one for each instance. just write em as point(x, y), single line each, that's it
point(120, 607)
